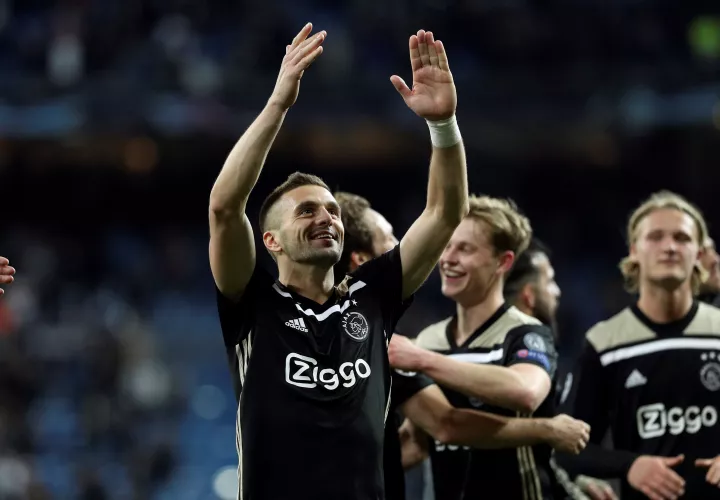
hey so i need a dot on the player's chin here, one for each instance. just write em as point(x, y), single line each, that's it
point(671, 280)
point(329, 255)
point(451, 290)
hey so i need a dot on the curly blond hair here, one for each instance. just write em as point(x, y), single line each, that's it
point(510, 230)
point(661, 200)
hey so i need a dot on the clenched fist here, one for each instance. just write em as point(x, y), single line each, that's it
point(569, 435)
point(404, 355)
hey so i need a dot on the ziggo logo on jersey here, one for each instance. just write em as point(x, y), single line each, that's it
point(304, 371)
point(654, 420)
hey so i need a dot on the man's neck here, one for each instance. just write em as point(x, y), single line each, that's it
point(310, 281)
point(472, 317)
point(664, 306)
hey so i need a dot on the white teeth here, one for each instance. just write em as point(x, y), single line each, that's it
point(450, 274)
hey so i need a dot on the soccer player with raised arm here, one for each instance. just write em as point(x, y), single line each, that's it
point(309, 358)
point(489, 356)
point(651, 373)
point(368, 235)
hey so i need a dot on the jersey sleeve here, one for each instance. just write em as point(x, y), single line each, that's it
point(237, 317)
point(590, 400)
point(406, 384)
point(533, 344)
point(384, 275)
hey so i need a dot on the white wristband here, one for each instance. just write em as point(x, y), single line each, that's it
point(444, 133)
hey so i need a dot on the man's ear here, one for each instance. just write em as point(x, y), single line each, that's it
point(527, 296)
point(506, 261)
point(357, 259)
point(271, 243)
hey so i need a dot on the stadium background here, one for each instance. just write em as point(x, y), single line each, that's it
point(116, 116)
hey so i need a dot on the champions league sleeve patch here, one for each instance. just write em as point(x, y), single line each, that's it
point(539, 357)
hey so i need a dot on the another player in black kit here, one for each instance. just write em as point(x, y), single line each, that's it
point(532, 289)
point(651, 373)
point(489, 355)
point(309, 358)
point(368, 235)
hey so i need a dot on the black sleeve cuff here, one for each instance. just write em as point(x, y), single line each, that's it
point(596, 461)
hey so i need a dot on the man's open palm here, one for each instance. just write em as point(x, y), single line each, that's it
point(433, 94)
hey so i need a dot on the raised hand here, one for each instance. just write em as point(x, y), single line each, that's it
point(654, 477)
point(299, 55)
point(6, 273)
point(433, 94)
point(569, 434)
point(713, 466)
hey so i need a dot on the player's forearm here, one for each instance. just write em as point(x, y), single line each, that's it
point(244, 163)
point(488, 431)
point(495, 385)
point(447, 195)
point(597, 461)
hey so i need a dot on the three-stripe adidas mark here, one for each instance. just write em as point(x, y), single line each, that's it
point(298, 324)
point(635, 379)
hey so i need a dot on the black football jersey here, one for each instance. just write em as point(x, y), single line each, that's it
point(507, 338)
point(313, 384)
point(657, 388)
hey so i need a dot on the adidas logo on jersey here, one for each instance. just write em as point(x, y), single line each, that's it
point(635, 379)
point(298, 324)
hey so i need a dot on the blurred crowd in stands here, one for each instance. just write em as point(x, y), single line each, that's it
point(113, 380)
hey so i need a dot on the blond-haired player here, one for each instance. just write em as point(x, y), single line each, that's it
point(368, 235)
point(651, 373)
point(488, 355)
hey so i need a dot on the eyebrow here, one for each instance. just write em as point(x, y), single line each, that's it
point(313, 204)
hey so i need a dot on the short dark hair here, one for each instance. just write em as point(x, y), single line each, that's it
point(358, 235)
point(294, 180)
point(523, 270)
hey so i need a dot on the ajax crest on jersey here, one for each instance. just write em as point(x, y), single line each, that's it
point(355, 325)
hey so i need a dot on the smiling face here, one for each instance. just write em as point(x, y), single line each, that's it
point(309, 228)
point(469, 265)
point(666, 248)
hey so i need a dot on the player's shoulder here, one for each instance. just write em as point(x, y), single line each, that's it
point(622, 328)
point(434, 337)
point(706, 321)
point(261, 282)
point(509, 324)
point(515, 318)
point(377, 267)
